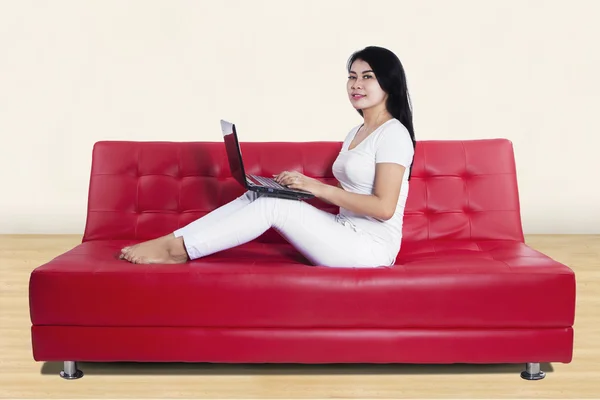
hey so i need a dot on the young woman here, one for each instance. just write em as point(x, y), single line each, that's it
point(373, 169)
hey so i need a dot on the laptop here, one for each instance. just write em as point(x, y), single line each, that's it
point(260, 184)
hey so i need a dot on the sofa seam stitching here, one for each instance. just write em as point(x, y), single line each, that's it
point(137, 194)
point(180, 179)
point(462, 143)
point(426, 195)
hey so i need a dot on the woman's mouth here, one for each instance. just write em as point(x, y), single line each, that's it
point(357, 96)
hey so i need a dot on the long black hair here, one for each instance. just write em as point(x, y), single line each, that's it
point(389, 72)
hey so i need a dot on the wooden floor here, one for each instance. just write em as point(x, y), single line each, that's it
point(21, 377)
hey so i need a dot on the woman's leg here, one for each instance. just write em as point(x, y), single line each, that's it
point(157, 249)
point(313, 232)
point(214, 217)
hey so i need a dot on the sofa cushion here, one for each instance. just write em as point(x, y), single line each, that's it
point(434, 284)
point(142, 190)
point(459, 190)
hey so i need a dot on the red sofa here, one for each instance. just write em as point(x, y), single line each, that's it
point(464, 288)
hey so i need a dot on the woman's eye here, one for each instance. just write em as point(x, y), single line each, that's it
point(367, 76)
point(351, 77)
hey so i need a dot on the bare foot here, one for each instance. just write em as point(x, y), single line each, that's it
point(163, 250)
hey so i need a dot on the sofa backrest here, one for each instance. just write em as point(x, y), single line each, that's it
point(459, 190)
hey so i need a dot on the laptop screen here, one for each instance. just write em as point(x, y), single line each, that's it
point(234, 155)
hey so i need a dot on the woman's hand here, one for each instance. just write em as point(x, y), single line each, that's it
point(297, 181)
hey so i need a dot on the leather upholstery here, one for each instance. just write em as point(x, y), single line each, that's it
point(434, 285)
point(460, 190)
point(315, 345)
point(143, 190)
point(464, 288)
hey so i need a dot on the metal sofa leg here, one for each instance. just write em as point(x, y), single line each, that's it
point(532, 372)
point(71, 371)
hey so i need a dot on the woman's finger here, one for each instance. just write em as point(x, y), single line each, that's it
point(287, 178)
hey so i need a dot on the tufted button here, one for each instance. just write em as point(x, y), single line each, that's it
point(466, 175)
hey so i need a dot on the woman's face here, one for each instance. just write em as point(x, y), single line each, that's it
point(363, 88)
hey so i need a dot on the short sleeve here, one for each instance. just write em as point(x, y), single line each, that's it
point(394, 145)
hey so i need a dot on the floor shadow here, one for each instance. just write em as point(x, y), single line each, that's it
point(136, 368)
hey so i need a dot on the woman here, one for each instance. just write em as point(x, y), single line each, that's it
point(373, 170)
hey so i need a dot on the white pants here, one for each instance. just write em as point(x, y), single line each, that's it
point(322, 237)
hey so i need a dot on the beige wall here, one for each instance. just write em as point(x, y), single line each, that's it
point(75, 72)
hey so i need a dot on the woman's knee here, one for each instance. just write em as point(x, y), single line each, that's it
point(267, 202)
point(278, 210)
point(250, 195)
point(272, 200)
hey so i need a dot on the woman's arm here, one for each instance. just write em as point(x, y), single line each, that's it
point(381, 204)
point(339, 185)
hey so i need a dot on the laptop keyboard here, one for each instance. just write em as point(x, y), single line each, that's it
point(269, 182)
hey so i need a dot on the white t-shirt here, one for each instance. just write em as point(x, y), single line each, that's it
point(355, 170)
